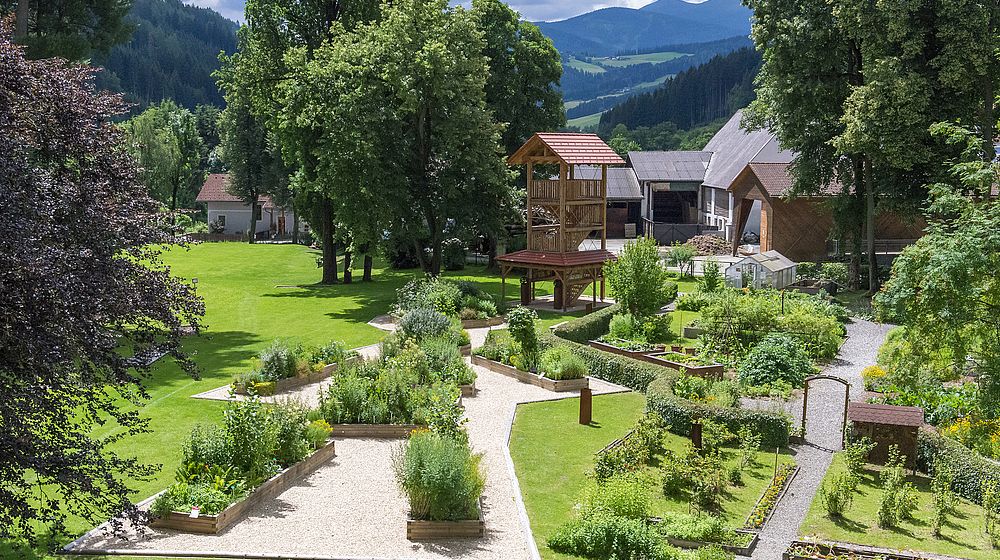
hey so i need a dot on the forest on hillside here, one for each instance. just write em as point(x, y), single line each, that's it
point(695, 97)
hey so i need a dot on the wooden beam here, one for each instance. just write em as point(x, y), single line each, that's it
point(531, 180)
point(604, 207)
point(562, 207)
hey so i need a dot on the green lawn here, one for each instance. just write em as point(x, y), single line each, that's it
point(552, 464)
point(633, 59)
point(963, 536)
point(584, 66)
point(253, 294)
point(586, 122)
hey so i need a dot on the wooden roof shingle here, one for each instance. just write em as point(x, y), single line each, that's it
point(570, 147)
point(886, 414)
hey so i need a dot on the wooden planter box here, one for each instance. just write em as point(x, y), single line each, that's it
point(636, 354)
point(739, 550)
point(418, 530)
point(712, 371)
point(214, 524)
point(374, 431)
point(835, 550)
point(482, 323)
point(532, 378)
point(465, 350)
point(468, 390)
point(692, 332)
point(284, 385)
point(813, 287)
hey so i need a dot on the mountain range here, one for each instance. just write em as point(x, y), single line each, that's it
point(612, 31)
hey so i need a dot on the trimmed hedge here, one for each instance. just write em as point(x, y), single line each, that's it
point(614, 368)
point(969, 468)
point(678, 414)
point(587, 328)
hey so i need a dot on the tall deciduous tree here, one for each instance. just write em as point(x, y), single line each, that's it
point(164, 139)
point(854, 86)
point(251, 161)
point(85, 300)
point(72, 29)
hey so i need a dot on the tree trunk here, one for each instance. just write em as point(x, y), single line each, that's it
point(173, 204)
point(21, 23)
point(329, 245)
point(436, 258)
point(873, 283)
point(295, 228)
point(491, 252)
point(252, 234)
point(854, 279)
point(368, 268)
point(348, 275)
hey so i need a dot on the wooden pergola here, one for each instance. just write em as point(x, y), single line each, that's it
point(561, 214)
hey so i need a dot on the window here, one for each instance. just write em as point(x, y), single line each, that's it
point(257, 213)
point(222, 220)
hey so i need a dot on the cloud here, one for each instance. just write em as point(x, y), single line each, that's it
point(533, 10)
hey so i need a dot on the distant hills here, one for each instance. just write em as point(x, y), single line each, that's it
point(613, 31)
point(172, 53)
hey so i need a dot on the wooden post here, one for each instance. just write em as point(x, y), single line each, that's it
point(604, 207)
point(696, 434)
point(562, 207)
point(847, 402)
point(805, 401)
point(586, 406)
point(531, 219)
point(503, 283)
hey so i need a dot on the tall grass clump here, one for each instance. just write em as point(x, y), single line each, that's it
point(440, 476)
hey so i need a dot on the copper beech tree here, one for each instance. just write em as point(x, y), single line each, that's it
point(85, 298)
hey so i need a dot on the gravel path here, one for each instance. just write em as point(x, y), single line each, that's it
point(352, 508)
point(824, 421)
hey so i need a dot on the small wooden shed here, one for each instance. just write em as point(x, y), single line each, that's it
point(887, 425)
point(770, 269)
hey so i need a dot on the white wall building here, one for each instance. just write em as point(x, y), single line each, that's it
point(233, 215)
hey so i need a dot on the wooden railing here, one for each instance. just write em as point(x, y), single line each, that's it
point(576, 189)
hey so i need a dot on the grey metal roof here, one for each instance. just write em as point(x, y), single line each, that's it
point(678, 167)
point(622, 184)
point(771, 260)
point(733, 148)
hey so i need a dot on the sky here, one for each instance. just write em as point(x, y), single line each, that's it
point(533, 10)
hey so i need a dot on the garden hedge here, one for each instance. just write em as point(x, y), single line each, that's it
point(613, 368)
point(678, 414)
point(969, 468)
point(587, 328)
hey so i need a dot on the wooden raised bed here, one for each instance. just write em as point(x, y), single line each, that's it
point(636, 354)
point(482, 323)
point(812, 550)
point(532, 378)
point(284, 385)
point(739, 550)
point(214, 524)
point(781, 495)
point(468, 390)
point(419, 530)
point(374, 431)
point(712, 371)
point(465, 350)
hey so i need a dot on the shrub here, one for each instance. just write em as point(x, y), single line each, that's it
point(678, 414)
point(607, 536)
point(970, 470)
point(293, 444)
point(835, 272)
point(208, 445)
point(676, 474)
point(613, 368)
point(714, 435)
point(625, 327)
point(560, 363)
point(499, 346)
point(695, 301)
point(254, 438)
point(589, 327)
point(873, 377)
point(711, 280)
point(898, 498)
point(440, 477)
point(521, 324)
point(838, 496)
point(820, 334)
point(724, 393)
point(691, 387)
point(453, 254)
point(637, 280)
point(440, 352)
point(943, 501)
point(419, 324)
point(856, 456)
point(696, 528)
point(622, 496)
point(807, 270)
point(656, 329)
point(332, 352)
point(777, 358)
point(714, 552)
point(317, 432)
point(749, 446)
point(441, 295)
point(278, 361)
point(682, 257)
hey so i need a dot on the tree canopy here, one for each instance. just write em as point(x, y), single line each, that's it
point(71, 29)
point(86, 299)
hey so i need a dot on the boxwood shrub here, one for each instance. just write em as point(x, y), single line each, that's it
point(969, 468)
point(613, 368)
point(678, 414)
point(589, 327)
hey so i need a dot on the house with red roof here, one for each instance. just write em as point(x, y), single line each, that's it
point(229, 215)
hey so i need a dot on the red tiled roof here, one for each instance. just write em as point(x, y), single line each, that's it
point(886, 414)
point(558, 260)
point(571, 147)
point(214, 190)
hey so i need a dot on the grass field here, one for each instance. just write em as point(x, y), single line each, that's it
point(584, 66)
point(254, 294)
point(552, 465)
point(962, 536)
point(586, 122)
point(633, 59)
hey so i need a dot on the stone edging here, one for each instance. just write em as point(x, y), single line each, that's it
point(530, 378)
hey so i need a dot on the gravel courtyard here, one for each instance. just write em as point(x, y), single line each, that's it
point(351, 507)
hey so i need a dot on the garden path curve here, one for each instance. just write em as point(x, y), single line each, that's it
point(823, 433)
point(351, 507)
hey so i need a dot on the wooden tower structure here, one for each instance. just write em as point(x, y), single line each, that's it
point(561, 213)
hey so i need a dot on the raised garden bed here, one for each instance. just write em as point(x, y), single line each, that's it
point(637, 354)
point(465, 350)
point(468, 390)
point(813, 550)
point(752, 538)
point(420, 530)
point(813, 287)
point(483, 323)
point(214, 524)
point(291, 383)
point(770, 498)
point(532, 378)
point(373, 431)
point(711, 371)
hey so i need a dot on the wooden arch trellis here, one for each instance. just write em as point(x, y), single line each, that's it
point(847, 401)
